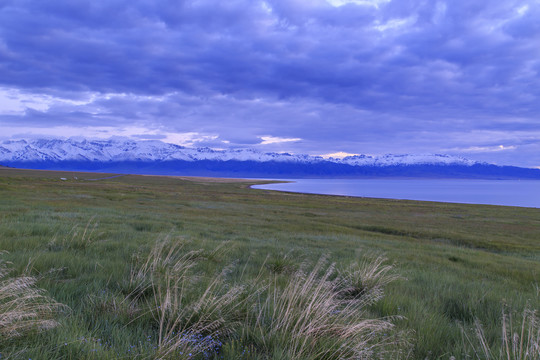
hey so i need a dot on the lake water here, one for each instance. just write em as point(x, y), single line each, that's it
point(525, 193)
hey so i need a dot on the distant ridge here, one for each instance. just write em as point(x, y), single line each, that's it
point(153, 150)
point(156, 157)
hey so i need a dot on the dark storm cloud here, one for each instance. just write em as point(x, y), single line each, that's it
point(405, 73)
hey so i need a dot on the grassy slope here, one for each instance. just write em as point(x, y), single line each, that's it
point(460, 261)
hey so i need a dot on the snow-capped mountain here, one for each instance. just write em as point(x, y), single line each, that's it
point(159, 158)
point(406, 159)
point(152, 150)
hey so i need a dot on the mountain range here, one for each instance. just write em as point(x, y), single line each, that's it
point(156, 157)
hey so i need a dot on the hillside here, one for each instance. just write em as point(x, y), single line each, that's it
point(87, 242)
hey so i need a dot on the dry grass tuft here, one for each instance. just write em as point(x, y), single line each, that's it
point(309, 319)
point(307, 315)
point(281, 264)
point(23, 307)
point(190, 322)
point(80, 239)
point(367, 279)
point(518, 341)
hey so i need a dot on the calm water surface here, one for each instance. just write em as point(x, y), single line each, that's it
point(525, 193)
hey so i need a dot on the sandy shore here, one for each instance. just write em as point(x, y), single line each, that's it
point(215, 180)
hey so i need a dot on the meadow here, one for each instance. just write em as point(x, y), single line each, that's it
point(150, 267)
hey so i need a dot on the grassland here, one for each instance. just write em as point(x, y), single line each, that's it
point(86, 242)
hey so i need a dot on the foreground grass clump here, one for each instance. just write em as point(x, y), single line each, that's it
point(313, 316)
point(520, 340)
point(368, 278)
point(77, 239)
point(308, 315)
point(190, 318)
point(24, 308)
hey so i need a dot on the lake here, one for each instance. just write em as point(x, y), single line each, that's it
point(525, 193)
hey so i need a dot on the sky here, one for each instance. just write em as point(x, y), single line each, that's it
point(312, 77)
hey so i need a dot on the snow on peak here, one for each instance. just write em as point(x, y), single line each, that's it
point(406, 159)
point(154, 150)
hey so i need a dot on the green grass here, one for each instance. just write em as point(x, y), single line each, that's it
point(459, 265)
